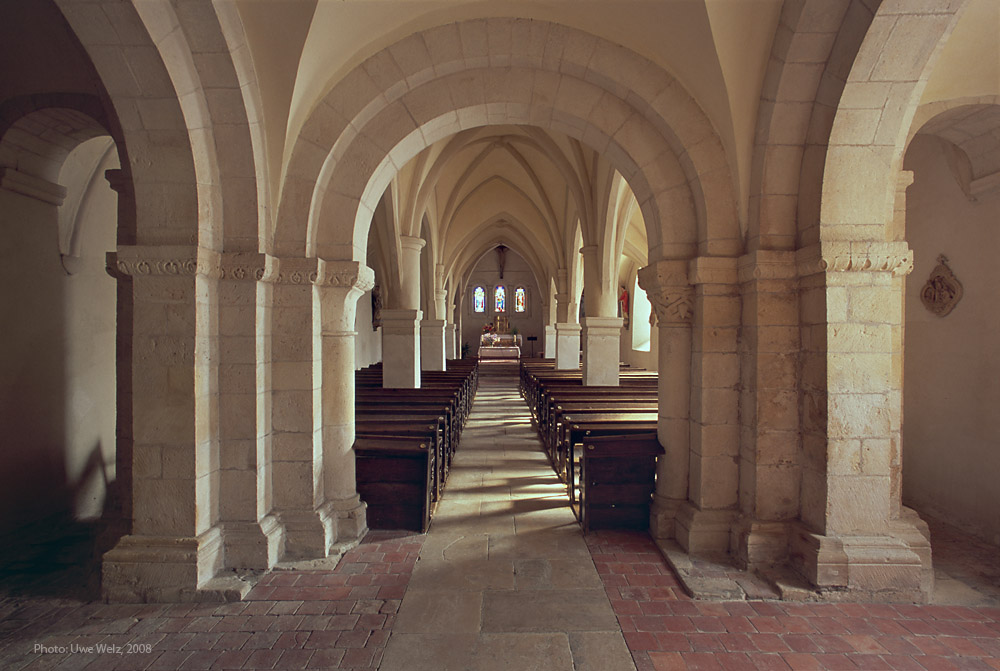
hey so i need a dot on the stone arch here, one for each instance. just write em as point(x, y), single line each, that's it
point(801, 84)
point(435, 83)
point(510, 236)
point(873, 118)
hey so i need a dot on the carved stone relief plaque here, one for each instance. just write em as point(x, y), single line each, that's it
point(943, 291)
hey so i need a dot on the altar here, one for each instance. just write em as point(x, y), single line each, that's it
point(496, 343)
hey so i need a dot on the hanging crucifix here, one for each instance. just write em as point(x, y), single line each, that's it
point(501, 253)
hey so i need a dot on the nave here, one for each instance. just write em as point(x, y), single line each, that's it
point(504, 579)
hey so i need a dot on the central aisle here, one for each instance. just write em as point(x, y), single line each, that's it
point(504, 579)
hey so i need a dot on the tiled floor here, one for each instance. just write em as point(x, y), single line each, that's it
point(665, 630)
point(503, 580)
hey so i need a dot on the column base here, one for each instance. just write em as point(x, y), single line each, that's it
point(759, 544)
point(879, 568)
point(305, 535)
point(663, 517)
point(165, 569)
point(703, 532)
point(347, 520)
point(253, 545)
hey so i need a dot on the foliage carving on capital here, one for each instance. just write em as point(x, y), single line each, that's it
point(672, 305)
point(668, 290)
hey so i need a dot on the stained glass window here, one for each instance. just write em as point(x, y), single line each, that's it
point(500, 299)
point(519, 299)
point(479, 299)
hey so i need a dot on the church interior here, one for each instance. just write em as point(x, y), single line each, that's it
point(233, 229)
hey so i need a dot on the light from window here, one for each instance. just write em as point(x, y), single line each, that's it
point(479, 299)
point(519, 299)
point(500, 299)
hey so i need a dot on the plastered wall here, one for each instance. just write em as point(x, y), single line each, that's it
point(951, 426)
point(57, 359)
point(367, 342)
point(516, 273)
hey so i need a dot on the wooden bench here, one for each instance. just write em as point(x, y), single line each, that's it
point(395, 478)
point(617, 481)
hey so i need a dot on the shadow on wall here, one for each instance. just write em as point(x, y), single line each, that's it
point(58, 493)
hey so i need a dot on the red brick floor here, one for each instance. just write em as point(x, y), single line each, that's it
point(338, 619)
point(666, 630)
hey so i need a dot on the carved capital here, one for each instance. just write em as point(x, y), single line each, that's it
point(166, 261)
point(242, 266)
point(895, 258)
point(345, 274)
point(672, 305)
point(668, 290)
point(290, 270)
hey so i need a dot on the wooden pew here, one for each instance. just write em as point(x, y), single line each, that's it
point(593, 426)
point(395, 478)
point(617, 480)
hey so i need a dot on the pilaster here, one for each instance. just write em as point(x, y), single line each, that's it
point(769, 474)
point(704, 527)
point(290, 406)
point(253, 538)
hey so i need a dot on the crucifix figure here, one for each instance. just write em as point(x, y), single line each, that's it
point(501, 253)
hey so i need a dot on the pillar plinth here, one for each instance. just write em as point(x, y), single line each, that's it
point(601, 349)
point(401, 349)
point(549, 351)
point(433, 344)
point(568, 346)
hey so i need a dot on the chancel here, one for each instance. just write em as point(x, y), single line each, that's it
point(272, 265)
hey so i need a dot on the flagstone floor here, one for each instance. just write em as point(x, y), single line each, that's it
point(505, 579)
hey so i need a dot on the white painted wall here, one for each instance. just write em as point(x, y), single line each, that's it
point(516, 273)
point(367, 342)
point(57, 354)
point(951, 425)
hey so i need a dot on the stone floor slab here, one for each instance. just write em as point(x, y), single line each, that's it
point(548, 610)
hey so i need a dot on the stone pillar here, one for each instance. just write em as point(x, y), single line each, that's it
point(175, 547)
point(601, 326)
point(769, 411)
point(292, 405)
point(252, 536)
point(666, 285)
point(401, 326)
point(432, 344)
point(601, 349)
point(704, 523)
point(450, 341)
point(848, 537)
point(339, 284)
point(549, 351)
